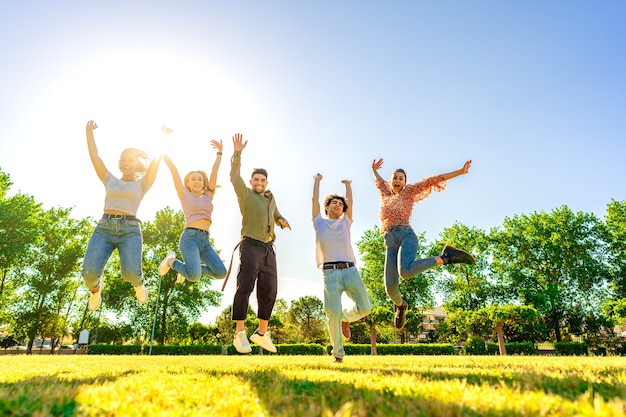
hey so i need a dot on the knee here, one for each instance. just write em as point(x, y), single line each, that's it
point(332, 311)
point(394, 293)
point(365, 309)
point(405, 273)
point(220, 273)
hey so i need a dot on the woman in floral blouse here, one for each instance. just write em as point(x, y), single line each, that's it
point(398, 199)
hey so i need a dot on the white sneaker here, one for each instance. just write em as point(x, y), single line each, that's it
point(95, 298)
point(241, 342)
point(163, 266)
point(264, 341)
point(141, 293)
point(180, 279)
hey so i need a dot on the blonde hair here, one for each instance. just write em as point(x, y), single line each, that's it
point(205, 179)
point(143, 161)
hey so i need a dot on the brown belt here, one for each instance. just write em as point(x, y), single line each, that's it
point(337, 265)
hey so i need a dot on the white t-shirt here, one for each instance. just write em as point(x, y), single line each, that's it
point(332, 240)
point(123, 195)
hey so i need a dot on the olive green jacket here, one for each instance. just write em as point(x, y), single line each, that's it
point(258, 211)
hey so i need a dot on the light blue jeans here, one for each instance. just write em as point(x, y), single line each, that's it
point(336, 282)
point(199, 257)
point(111, 234)
point(401, 243)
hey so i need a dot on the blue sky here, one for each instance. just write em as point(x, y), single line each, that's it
point(533, 92)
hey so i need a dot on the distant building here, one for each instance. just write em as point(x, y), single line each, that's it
point(431, 320)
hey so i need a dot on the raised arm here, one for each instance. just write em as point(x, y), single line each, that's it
point(375, 167)
point(349, 201)
point(154, 164)
point(315, 200)
point(216, 165)
point(178, 183)
point(462, 171)
point(235, 162)
point(98, 165)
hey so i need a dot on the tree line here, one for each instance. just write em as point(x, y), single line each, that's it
point(568, 267)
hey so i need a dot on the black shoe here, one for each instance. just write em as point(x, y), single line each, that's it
point(400, 317)
point(452, 255)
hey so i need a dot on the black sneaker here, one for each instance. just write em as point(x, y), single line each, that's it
point(452, 255)
point(400, 317)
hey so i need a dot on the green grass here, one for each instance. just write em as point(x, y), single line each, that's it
point(89, 385)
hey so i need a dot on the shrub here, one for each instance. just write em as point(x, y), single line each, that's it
point(396, 349)
point(474, 345)
point(102, 349)
point(570, 349)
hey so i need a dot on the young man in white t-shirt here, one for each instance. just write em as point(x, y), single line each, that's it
point(334, 256)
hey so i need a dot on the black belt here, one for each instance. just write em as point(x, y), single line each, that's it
point(120, 217)
point(199, 230)
point(337, 265)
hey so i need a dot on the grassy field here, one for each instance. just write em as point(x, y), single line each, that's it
point(267, 385)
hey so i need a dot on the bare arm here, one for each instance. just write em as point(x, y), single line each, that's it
point(462, 171)
point(375, 167)
point(315, 200)
point(349, 201)
point(216, 165)
point(98, 165)
point(178, 183)
point(154, 164)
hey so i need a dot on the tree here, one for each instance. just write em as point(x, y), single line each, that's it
point(19, 232)
point(176, 305)
point(467, 287)
point(615, 224)
point(308, 317)
point(552, 261)
point(500, 315)
point(51, 279)
point(417, 291)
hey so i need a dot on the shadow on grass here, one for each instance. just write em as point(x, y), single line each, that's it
point(285, 396)
point(49, 395)
point(568, 387)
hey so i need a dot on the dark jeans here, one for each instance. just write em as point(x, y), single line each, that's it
point(257, 265)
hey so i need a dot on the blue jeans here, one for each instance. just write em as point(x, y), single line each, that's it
point(111, 234)
point(337, 281)
point(199, 257)
point(401, 243)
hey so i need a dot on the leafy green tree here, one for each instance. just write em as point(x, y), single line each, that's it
point(467, 287)
point(615, 223)
point(176, 305)
point(19, 232)
point(308, 317)
point(417, 291)
point(552, 261)
point(498, 316)
point(50, 288)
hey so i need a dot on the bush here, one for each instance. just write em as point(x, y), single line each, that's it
point(494, 348)
point(474, 345)
point(396, 349)
point(101, 349)
point(520, 348)
point(186, 350)
point(286, 349)
point(570, 349)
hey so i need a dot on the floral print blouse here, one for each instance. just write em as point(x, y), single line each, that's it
point(396, 209)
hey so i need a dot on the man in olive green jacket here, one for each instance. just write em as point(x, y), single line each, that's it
point(257, 256)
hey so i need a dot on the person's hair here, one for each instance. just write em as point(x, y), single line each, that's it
point(261, 171)
point(205, 187)
point(143, 160)
point(332, 197)
point(402, 171)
